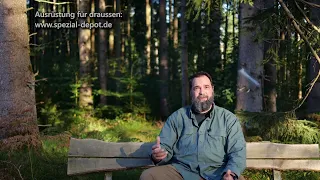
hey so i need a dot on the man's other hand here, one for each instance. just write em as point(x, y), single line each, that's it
point(229, 175)
point(157, 153)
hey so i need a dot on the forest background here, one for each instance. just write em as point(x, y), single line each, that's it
point(121, 83)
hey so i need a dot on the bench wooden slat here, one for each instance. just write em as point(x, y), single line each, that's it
point(88, 165)
point(97, 148)
point(280, 164)
point(91, 155)
point(285, 151)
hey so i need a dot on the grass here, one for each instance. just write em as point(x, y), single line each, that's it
point(50, 162)
point(117, 130)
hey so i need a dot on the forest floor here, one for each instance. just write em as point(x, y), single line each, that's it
point(50, 162)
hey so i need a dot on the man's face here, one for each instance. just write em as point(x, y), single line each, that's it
point(202, 94)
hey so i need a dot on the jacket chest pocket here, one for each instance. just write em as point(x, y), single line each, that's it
point(187, 141)
point(215, 145)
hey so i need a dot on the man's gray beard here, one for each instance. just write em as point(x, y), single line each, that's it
point(199, 107)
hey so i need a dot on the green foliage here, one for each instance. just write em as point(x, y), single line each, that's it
point(258, 174)
point(50, 162)
point(117, 94)
point(300, 175)
point(109, 111)
point(280, 127)
point(227, 96)
point(200, 5)
point(129, 98)
point(50, 114)
point(46, 163)
point(149, 86)
point(136, 96)
point(74, 89)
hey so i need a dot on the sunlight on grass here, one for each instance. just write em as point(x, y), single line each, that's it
point(58, 144)
point(136, 131)
point(50, 162)
point(251, 174)
point(118, 130)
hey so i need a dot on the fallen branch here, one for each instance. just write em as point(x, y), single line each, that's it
point(14, 167)
point(55, 3)
point(293, 20)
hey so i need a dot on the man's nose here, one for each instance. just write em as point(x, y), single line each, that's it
point(200, 91)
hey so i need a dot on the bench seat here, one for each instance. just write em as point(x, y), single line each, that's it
point(91, 155)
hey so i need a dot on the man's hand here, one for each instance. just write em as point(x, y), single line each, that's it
point(157, 153)
point(228, 175)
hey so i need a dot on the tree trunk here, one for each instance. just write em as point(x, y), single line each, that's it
point(102, 54)
point(84, 43)
point(300, 75)
point(249, 95)
point(32, 29)
point(117, 38)
point(153, 55)
point(170, 15)
point(129, 50)
point(148, 35)
point(184, 56)
point(226, 39)
point(111, 43)
point(313, 104)
point(112, 35)
point(93, 40)
point(164, 111)
point(213, 47)
point(270, 80)
point(175, 25)
point(234, 33)
point(123, 45)
point(117, 43)
point(18, 116)
point(175, 54)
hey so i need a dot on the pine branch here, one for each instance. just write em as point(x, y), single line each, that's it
point(32, 34)
point(309, 3)
point(29, 9)
point(293, 20)
point(306, 18)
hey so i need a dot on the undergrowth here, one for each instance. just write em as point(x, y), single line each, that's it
point(50, 161)
point(280, 127)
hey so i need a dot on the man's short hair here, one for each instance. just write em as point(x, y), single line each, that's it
point(199, 74)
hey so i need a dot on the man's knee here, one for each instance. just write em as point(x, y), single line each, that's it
point(160, 173)
point(147, 174)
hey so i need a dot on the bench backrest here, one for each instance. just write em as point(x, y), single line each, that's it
point(90, 155)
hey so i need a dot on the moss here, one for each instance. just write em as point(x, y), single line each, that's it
point(283, 127)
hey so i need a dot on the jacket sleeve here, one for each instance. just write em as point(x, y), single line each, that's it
point(236, 147)
point(168, 138)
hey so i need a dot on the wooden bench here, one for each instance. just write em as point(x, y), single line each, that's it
point(90, 155)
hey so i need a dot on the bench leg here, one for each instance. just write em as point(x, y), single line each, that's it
point(108, 176)
point(276, 175)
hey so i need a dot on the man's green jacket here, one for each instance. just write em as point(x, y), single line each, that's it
point(207, 151)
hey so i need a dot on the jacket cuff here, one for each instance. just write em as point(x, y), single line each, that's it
point(156, 163)
point(233, 170)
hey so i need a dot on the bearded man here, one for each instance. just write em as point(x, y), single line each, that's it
point(201, 141)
